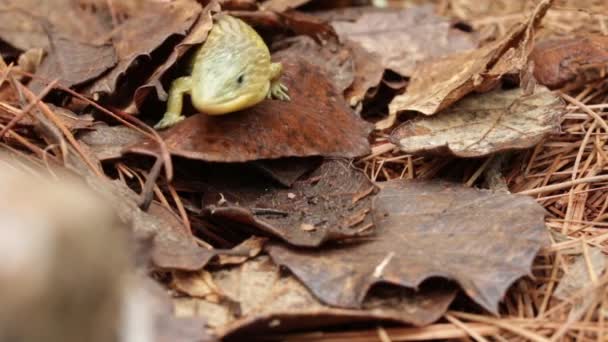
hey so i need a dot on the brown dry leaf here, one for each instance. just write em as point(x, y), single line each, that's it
point(107, 142)
point(22, 22)
point(484, 124)
point(73, 63)
point(269, 302)
point(482, 240)
point(437, 84)
point(282, 5)
point(197, 35)
point(333, 59)
point(565, 60)
point(334, 199)
point(368, 73)
point(137, 36)
point(401, 37)
point(315, 122)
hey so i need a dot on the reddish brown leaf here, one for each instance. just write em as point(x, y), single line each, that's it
point(484, 124)
point(287, 170)
point(138, 37)
point(73, 63)
point(437, 84)
point(263, 296)
point(401, 37)
point(315, 122)
point(482, 240)
point(334, 200)
point(333, 59)
point(578, 60)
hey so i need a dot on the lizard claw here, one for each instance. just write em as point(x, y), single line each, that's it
point(279, 91)
point(169, 120)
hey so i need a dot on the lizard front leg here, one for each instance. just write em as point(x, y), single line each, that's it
point(173, 115)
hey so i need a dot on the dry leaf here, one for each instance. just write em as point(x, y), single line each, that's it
point(333, 59)
point(329, 199)
point(282, 5)
point(484, 124)
point(287, 170)
point(368, 73)
point(73, 63)
point(577, 276)
point(22, 22)
point(437, 84)
point(401, 37)
point(269, 302)
point(316, 121)
point(482, 240)
point(565, 60)
point(138, 37)
point(197, 35)
point(107, 142)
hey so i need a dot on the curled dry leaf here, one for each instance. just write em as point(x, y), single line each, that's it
point(435, 85)
point(368, 73)
point(316, 121)
point(482, 240)
point(401, 37)
point(73, 63)
point(197, 35)
point(137, 37)
point(334, 199)
point(565, 60)
point(269, 302)
point(484, 124)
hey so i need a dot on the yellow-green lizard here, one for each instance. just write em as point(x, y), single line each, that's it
point(231, 71)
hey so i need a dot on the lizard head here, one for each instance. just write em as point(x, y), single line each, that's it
point(233, 70)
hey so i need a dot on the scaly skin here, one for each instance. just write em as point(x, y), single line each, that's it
point(231, 71)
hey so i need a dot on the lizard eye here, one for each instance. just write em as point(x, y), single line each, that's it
point(240, 79)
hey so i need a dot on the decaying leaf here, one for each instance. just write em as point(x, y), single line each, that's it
point(578, 60)
point(484, 124)
point(334, 200)
point(435, 85)
point(579, 275)
point(137, 36)
point(73, 63)
point(269, 302)
point(401, 37)
point(482, 240)
point(316, 121)
point(287, 170)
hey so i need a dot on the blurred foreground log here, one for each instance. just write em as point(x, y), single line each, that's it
point(64, 259)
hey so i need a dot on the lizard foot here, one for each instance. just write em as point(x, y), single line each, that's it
point(169, 120)
point(278, 91)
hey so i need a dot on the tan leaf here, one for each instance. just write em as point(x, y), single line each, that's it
point(270, 302)
point(437, 84)
point(484, 124)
